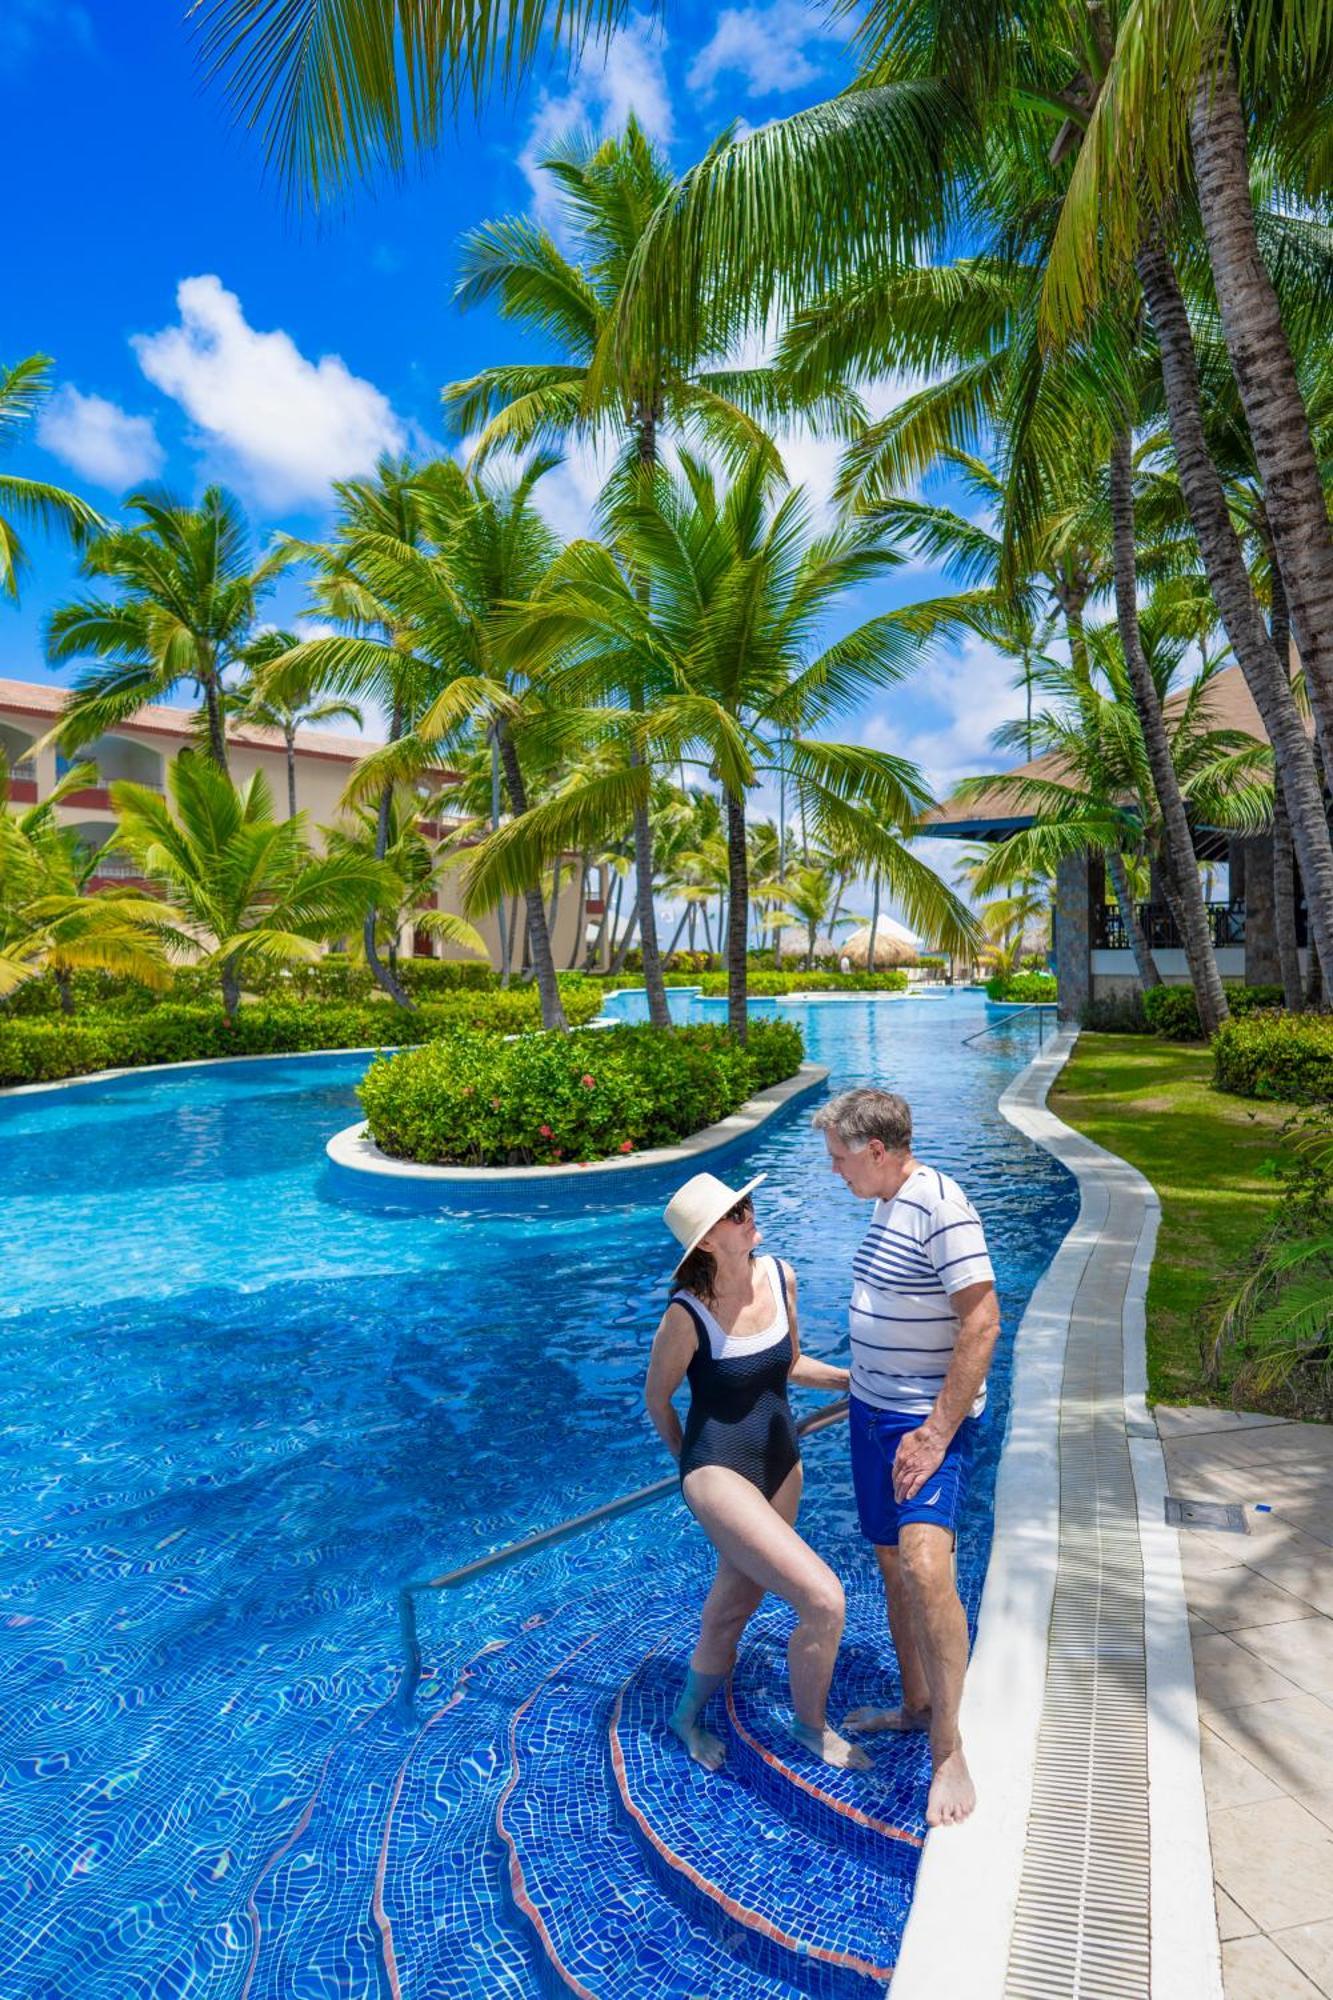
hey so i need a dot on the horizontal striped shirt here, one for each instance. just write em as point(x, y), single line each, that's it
point(921, 1248)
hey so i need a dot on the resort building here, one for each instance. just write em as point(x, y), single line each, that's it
point(1093, 960)
point(141, 749)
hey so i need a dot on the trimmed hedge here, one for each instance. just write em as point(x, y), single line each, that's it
point(330, 978)
point(466, 1101)
point(765, 985)
point(42, 1051)
point(1024, 987)
point(1287, 1057)
point(1170, 1010)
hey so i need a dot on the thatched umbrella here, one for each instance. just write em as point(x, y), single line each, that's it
point(894, 945)
point(796, 945)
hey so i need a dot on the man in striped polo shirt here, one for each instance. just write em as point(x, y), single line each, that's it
point(924, 1321)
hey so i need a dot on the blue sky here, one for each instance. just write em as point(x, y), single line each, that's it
point(202, 329)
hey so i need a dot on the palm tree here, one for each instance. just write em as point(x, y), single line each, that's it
point(184, 591)
point(609, 191)
point(417, 865)
point(443, 603)
point(731, 643)
point(297, 708)
point(809, 894)
point(239, 885)
point(23, 387)
point(48, 920)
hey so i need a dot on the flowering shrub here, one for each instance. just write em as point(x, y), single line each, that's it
point(553, 1098)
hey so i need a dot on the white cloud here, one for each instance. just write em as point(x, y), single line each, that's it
point(286, 426)
point(768, 46)
point(29, 25)
point(627, 74)
point(99, 439)
point(957, 701)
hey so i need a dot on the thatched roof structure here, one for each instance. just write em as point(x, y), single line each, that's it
point(894, 945)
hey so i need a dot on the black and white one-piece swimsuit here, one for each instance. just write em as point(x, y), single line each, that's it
point(739, 1415)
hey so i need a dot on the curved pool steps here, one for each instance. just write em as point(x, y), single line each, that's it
point(817, 1913)
point(576, 1875)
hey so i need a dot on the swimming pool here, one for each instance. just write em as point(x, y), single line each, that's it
point(242, 1409)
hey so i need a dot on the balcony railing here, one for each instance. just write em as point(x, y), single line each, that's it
point(1226, 926)
point(115, 867)
point(25, 770)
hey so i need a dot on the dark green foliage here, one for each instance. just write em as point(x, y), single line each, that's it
point(42, 1050)
point(1171, 1011)
point(1284, 1057)
point(764, 985)
point(332, 977)
point(1022, 987)
point(468, 1101)
point(1118, 1014)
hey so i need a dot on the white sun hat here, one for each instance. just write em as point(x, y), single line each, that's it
point(693, 1209)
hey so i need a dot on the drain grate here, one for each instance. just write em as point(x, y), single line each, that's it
point(1224, 1515)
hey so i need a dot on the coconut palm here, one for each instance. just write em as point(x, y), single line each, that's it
point(239, 886)
point(809, 895)
point(178, 607)
point(297, 708)
point(49, 922)
point(732, 646)
point(609, 190)
point(443, 605)
point(23, 388)
point(418, 865)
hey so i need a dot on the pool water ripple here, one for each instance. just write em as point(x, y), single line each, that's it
point(240, 1410)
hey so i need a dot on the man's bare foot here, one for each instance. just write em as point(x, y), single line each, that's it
point(953, 1796)
point(703, 1746)
point(868, 1721)
point(832, 1748)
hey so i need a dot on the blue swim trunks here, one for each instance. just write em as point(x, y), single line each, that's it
point(875, 1439)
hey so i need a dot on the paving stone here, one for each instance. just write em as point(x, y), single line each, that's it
point(1290, 1741)
point(1232, 1922)
point(1228, 1778)
point(1302, 1650)
point(1230, 1598)
point(1254, 1968)
point(1275, 1860)
point(1311, 1946)
point(1230, 1676)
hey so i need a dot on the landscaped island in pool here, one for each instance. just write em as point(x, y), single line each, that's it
point(242, 1409)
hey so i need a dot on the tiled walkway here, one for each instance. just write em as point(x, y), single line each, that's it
point(1261, 1617)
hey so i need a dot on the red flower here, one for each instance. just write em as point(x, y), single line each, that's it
point(556, 1154)
point(627, 1145)
point(495, 1104)
point(545, 1131)
point(588, 1082)
point(469, 1089)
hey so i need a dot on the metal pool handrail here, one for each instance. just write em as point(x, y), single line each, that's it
point(546, 1538)
point(1037, 1007)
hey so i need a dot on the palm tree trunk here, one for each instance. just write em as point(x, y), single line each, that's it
point(874, 925)
point(1284, 858)
point(580, 915)
point(1265, 372)
point(679, 929)
point(1229, 582)
point(626, 940)
point(1317, 987)
point(231, 989)
point(382, 974)
point(553, 907)
point(217, 728)
point(738, 877)
point(64, 980)
point(708, 935)
point(596, 950)
point(289, 740)
point(1144, 962)
point(1209, 995)
point(538, 937)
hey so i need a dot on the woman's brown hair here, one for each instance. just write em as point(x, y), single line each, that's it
point(696, 1273)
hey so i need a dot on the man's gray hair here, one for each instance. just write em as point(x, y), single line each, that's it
point(858, 1116)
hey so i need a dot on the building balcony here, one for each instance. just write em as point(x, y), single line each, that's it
point(1226, 926)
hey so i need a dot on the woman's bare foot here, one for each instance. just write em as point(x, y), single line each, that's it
point(953, 1796)
point(703, 1746)
point(867, 1721)
point(832, 1748)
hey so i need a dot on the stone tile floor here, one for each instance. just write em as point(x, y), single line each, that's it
point(1261, 1615)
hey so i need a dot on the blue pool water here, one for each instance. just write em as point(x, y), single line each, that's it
point(242, 1407)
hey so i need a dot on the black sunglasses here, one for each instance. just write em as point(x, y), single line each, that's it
point(742, 1212)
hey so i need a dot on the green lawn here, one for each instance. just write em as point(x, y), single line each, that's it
point(1153, 1103)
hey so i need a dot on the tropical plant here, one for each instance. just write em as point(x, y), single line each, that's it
point(418, 864)
point(183, 591)
point(809, 895)
point(730, 644)
point(297, 708)
point(49, 922)
point(239, 885)
point(23, 388)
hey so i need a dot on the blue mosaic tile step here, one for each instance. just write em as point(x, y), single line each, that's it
point(885, 1806)
point(577, 1874)
point(827, 1913)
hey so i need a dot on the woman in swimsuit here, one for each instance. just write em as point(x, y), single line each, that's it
point(731, 1326)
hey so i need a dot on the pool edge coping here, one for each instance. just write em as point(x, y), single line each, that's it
point(353, 1151)
point(977, 1868)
